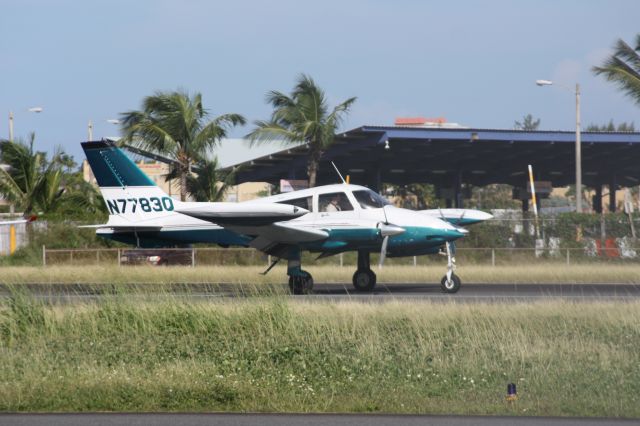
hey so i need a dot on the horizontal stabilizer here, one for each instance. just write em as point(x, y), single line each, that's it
point(241, 214)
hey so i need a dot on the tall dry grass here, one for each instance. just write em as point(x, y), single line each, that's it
point(539, 273)
point(274, 355)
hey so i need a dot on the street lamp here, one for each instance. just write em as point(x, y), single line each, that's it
point(37, 110)
point(578, 143)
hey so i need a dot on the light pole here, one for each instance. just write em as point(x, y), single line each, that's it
point(90, 131)
point(34, 109)
point(10, 126)
point(578, 142)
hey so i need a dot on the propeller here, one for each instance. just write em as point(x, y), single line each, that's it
point(452, 244)
point(387, 230)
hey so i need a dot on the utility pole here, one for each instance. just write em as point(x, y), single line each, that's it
point(578, 154)
point(10, 126)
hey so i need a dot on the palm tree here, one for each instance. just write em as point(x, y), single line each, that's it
point(209, 183)
point(31, 182)
point(302, 117)
point(175, 124)
point(623, 68)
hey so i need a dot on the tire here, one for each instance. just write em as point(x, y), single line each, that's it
point(364, 280)
point(301, 284)
point(451, 287)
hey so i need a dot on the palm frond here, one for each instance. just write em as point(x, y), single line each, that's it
point(623, 69)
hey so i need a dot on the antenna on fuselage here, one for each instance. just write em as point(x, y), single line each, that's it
point(338, 172)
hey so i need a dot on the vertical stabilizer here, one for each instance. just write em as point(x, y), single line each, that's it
point(130, 196)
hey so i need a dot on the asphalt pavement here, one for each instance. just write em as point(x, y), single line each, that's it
point(118, 419)
point(469, 293)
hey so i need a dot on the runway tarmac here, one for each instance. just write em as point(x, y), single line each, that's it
point(117, 419)
point(469, 293)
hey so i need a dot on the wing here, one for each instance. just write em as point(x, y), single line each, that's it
point(271, 225)
point(460, 217)
point(241, 214)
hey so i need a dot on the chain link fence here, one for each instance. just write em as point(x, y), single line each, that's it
point(250, 257)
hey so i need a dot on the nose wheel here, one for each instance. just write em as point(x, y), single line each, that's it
point(450, 283)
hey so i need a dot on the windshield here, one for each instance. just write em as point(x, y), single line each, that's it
point(369, 199)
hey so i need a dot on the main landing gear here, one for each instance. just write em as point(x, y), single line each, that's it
point(364, 278)
point(450, 283)
point(300, 282)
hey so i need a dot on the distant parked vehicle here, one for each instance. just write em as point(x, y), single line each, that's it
point(156, 257)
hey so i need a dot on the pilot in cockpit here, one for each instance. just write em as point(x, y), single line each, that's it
point(334, 204)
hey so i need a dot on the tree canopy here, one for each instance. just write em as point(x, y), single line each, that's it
point(36, 184)
point(623, 68)
point(303, 116)
point(177, 125)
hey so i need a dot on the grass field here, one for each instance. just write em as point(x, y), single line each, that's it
point(537, 273)
point(274, 355)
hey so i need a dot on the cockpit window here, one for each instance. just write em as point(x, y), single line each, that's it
point(369, 199)
point(305, 203)
point(334, 202)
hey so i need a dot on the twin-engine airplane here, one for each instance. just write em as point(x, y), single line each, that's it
point(327, 219)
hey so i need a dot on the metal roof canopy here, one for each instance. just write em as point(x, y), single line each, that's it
point(450, 157)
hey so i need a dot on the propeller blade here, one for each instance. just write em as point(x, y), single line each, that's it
point(383, 251)
point(461, 217)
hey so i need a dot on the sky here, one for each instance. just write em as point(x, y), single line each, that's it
point(473, 62)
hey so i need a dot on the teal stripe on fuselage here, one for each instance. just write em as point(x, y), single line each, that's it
point(166, 238)
point(414, 241)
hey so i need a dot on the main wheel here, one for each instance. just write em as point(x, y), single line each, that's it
point(450, 286)
point(301, 284)
point(364, 280)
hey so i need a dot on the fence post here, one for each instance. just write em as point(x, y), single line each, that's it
point(568, 257)
point(415, 261)
point(493, 257)
point(44, 255)
point(193, 257)
point(71, 256)
point(118, 257)
point(341, 260)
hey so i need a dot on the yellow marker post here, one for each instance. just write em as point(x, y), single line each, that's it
point(348, 178)
point(533, 200)
point(12, 239)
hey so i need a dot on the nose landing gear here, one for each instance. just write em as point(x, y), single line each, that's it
point(450, 283)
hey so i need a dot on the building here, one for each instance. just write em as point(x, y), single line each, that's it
point(453, 157)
